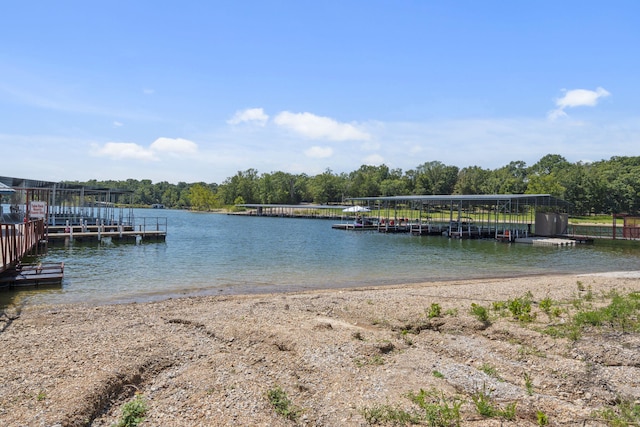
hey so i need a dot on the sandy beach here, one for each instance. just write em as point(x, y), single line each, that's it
point(341, 357)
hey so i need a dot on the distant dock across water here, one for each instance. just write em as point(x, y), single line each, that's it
point(536, 219)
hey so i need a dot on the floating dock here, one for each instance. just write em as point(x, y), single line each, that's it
point(551, 241)
point(33, 275)
point(65, 235)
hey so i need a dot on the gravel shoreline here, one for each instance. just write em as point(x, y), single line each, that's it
point(211, 361)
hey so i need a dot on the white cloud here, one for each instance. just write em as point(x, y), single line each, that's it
point(374, 159)
point(148, 91)
point(174, 145)
point(319, 152)
point(125, 150)
point(117, 124)
point(130, 150)
point(577, 98)
point(255, 115)
point(318, 127)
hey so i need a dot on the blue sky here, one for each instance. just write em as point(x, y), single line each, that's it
point(198, 90)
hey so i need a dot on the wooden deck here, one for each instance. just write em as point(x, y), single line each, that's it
point(33, 275)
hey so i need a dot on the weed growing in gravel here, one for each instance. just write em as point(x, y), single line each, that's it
point(433, 409)
point(491, 371)
point(486, 407)
point(453, 312)
point(437, 374)
point(580, 286)
point(499, 307)
point(625, 413)
point(526, 350)
point(520, 308)
point(387, 414)
point(528, 383)
point(406, 338)
point(438, 410)
point(481, 312)
point(133, 412)
point(42, 395)
point(434, 311)
point(620, 315)
point(543, 420)
point(375, 360)
point(282, 404)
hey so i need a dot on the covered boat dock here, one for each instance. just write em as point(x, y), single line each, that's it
point(501, 216)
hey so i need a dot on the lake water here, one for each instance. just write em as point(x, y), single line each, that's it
point(223, 254)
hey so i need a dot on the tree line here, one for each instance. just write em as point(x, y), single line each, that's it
point(601, 187)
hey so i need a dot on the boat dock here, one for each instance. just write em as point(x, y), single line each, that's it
point(35, 214)
point(67, 234)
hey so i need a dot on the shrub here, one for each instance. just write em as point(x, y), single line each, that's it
point(133, 412)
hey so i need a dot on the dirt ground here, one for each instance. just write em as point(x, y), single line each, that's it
point(336, 355)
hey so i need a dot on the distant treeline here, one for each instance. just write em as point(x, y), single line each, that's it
point(602, 187)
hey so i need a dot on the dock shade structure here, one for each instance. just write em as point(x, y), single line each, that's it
point(5, 189)
point(503, 216)
point(64, 202)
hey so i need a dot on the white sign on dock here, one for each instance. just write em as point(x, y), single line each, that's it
point(38, 209)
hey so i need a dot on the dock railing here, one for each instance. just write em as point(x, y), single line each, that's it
point(150, 224)
point(18, 240)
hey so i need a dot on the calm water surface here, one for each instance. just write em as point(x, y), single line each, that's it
point(216, 254)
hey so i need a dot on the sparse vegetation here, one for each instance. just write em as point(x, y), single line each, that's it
point(437, 374)
point(543, 420)
point(491, 371)
point(282, 404)
point(434, 310)
point(487, 408)
point(438, 410)
point(520, 308)
point(387, 414)
point(433, 408)
point(481, 312)
point(133, 412)
point(625, 413)
point(528, 383)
